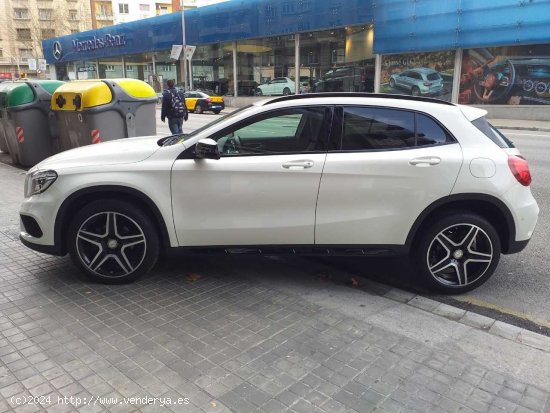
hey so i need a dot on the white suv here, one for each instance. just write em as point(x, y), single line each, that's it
point(337, 174)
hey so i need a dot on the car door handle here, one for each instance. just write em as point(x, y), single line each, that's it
point(425, 161)
point(298, 164)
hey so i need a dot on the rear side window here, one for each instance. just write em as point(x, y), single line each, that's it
point(492, 133)
point(374, 128)
point(366, 128)
point(433, 76)
point(428, 132)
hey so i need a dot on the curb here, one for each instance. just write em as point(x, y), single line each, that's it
point(474, 320)
point(525, 128)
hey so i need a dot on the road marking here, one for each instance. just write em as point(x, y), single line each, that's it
point(504, 310)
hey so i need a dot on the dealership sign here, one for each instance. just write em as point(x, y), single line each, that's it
point(106, 41)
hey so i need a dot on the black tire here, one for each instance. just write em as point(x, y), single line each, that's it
point(392, 83)
point(415, 91)
point(113, 241)
point(259, 92)
point(198, 109)
point(217, 112)
point(457, 252)
point(286, 91)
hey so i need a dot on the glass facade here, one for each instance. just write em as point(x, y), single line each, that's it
point(212, 68)
point(265, 65)
point(339, 60)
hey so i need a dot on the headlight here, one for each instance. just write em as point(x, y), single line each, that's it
point(38, 182)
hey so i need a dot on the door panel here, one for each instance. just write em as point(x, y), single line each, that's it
point(263, 190)
point(375, 195)
point(250, 200)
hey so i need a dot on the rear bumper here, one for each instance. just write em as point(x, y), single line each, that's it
point(516, 246)
point(216, 106)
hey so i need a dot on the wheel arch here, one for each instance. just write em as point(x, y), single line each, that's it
point(487, 206)
point(94, 193)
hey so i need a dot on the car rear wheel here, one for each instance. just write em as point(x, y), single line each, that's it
point(113, 242)
point(198, 109)
point(217, 112)
point(457, 253)
point(286, 91)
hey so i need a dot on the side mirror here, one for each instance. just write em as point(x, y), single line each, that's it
point(207, 149)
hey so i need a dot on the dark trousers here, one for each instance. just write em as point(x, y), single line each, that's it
point(175, 125)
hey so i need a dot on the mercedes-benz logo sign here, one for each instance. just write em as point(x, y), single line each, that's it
point(57, 51)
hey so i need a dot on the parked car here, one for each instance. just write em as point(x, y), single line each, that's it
point(418, 81)
point(277, 86)
point(319, 174)
point(199, 101)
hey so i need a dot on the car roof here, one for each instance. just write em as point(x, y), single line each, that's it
point(423, 70)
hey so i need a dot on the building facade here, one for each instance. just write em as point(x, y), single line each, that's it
point(24, 24)
point(476, 52)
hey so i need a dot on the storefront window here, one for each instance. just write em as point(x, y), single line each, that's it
point(212, 68)
point(86, 70)
point(418, 74)
point(167, 68)
point(265, 66)
point(139, 66)
point(339, 60)
point(513, 75)
point(110, 68)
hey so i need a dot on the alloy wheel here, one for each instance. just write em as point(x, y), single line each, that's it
point(459, 255)
point(111, 244)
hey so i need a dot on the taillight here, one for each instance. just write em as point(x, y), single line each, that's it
point(520, 169)
point(209, 100)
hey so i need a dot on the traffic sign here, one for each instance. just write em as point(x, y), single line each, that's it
point(42, 64)
point(32, 64)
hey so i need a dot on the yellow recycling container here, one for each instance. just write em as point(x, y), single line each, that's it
point(93, 111)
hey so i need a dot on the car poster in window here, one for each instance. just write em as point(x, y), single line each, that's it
point(513, 75)
point(418, 74)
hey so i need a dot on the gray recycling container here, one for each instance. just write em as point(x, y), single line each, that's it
point(94, 111)
point(28, 123)
point(3, 116)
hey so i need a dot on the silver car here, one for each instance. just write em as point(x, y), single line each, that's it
point(418, 81)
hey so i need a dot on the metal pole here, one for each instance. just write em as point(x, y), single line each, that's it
point(377, 72)
point(154, 64)
point(235, 88)
point(297, 63)
point(123, 67)
point(183, 45)
point(456, 78)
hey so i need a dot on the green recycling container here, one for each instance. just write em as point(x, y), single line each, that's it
point(93, 111)
point(29, 125)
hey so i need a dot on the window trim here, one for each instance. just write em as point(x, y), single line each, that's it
point(336, 139)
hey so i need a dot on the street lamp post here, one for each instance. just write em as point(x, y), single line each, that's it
point(183, 44)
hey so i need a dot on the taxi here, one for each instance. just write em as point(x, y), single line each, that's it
point(198, 101)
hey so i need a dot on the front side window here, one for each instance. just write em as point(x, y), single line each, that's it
point(284, 131)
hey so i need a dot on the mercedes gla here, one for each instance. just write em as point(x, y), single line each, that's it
point(336, 174)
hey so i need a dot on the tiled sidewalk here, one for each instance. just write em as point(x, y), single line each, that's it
point(204, 330)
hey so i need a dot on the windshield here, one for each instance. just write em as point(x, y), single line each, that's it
point(199, 130)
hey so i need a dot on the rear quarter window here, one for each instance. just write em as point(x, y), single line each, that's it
point(492, 133)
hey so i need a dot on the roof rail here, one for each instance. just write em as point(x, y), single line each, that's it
point(356, 95)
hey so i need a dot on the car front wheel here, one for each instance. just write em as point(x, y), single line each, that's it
point(458, 253)
point(113, 241)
